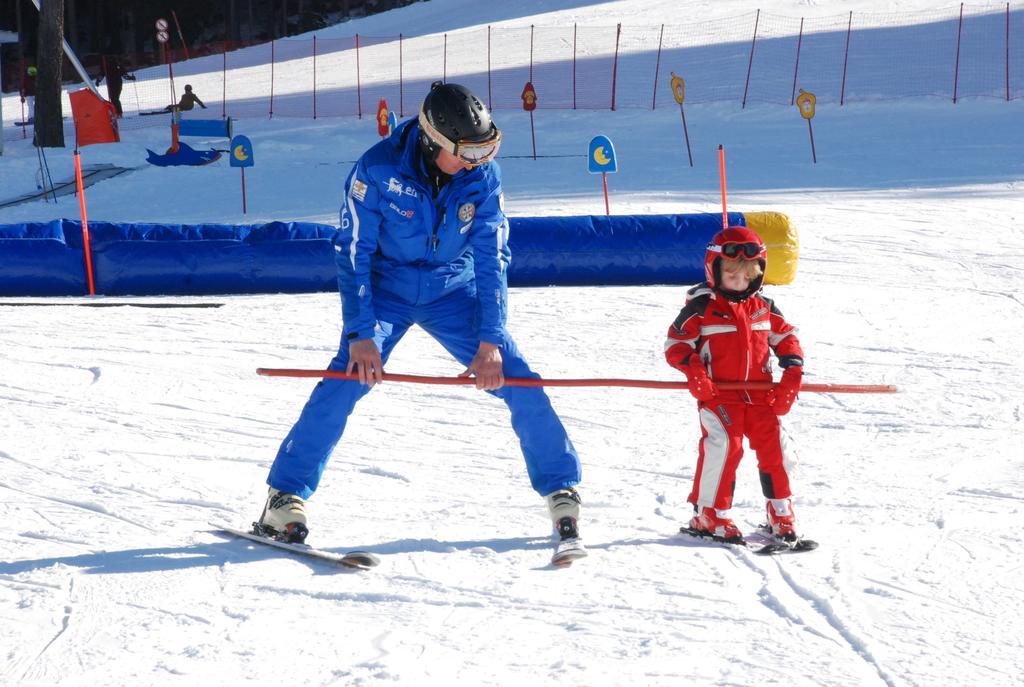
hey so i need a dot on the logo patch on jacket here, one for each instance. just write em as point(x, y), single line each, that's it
point(358, 190)
point(395, 186)
point(404, 213)
point(467, 211)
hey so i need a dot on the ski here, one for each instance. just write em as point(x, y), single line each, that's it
point(760, 544)
point(360, 560)
point(567, 551)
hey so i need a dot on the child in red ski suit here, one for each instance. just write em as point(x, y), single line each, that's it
point(726, 332)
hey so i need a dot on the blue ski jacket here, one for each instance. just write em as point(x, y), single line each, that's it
point(395, 236)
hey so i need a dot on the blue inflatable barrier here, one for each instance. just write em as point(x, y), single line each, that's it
point(46, 259)
point(211, 128)
point(612, 250)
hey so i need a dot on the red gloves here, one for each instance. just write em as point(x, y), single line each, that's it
point(785, 392)
point(701, 387)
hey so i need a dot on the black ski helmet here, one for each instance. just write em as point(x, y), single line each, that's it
point(456, 114)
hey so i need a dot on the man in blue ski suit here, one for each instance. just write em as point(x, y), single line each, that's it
point(423, 242)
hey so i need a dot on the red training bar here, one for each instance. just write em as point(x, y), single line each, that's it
point(636, 383)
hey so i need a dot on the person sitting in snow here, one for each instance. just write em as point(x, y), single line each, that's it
point(188, 101)
point(726, 332)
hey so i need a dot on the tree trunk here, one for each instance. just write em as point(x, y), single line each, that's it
point(49, 60)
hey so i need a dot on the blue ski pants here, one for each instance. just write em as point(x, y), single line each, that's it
point(551, 459)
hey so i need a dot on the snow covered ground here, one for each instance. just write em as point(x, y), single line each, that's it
point(125, 431)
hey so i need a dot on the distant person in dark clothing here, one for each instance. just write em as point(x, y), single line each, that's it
point(187, 102)
point(28, 92)
point(115, 73)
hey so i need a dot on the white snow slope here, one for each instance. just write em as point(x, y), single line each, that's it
point(125, 431)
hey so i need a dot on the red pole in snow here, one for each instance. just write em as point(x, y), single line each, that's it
point(686, 133)
point(533, 136)
point(846, 60)
point(796, 68)
point(180, 37)
point(750, 62)
point(170, 75)
point(401, 80)
point(1007, 52)
point(810, 131)
point(314, 76)
point(444, 60)
point(573, 67)
point(85, 225)
point(632, 383)
point(272, 79)
point(490, 105)
point(224, 84)
point(531, 52)
point(657, 67)
point(956, 68)
point(721, 175)
point(604, 182)
point(359, 84)
point(615, 65)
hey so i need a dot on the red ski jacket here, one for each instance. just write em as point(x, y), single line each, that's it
point(734, 339)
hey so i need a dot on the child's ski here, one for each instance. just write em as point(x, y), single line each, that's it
point(761, 545)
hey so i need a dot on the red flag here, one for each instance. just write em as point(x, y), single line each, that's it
point(95, 119)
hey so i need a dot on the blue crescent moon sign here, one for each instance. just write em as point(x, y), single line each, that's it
point(241, 152)
point(601, 156)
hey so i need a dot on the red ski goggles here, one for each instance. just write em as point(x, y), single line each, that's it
point(740, 251)
point(474, 153)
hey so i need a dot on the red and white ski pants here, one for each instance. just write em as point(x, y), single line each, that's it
point(724, 424)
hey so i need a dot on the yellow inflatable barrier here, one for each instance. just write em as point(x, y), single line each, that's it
point(783, 244)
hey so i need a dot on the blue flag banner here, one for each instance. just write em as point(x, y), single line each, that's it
point(601, 156)
point(392, 120)
point(241, 152)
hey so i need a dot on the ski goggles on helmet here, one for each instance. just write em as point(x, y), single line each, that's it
point(739, 251)
point(474, 153)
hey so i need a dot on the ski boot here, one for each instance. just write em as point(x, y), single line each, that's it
point(781, 521)
point(283, 518)
point(709, 522)
point(564, 506)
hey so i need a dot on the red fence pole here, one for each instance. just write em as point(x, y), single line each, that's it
point(224, 85)
point(314, 77)
point(796, 68)
point(573, 66)
point(490, 104)
point(444, 73)
point(531, 52)
point(401, 80)
point(359, 83)
point(22, 70)
point(956, 68)
point(85, 225)
point(180, 37)
point(750, 62)
point(657, 66)
point(1007, 52)
point(846, 59)
point(271, 79)
point(615, 65)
